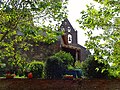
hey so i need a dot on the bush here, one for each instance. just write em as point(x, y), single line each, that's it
point(2, 69)
point(22, 65)
point(54, 68)
point(94, 69)
point(36, 67)
point(57, 65)
point(78, 65)
point(67, 58)
point(16, 66)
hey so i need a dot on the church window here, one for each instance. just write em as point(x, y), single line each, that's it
point(69, 29)
point(69, 38)
point(65, 23)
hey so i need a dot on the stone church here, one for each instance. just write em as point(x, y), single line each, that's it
point(67, 42)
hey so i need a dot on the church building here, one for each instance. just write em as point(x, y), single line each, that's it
point(69, 42)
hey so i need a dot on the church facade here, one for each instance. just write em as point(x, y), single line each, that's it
point(67, 42)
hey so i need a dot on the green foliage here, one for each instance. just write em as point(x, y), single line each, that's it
point(22, 66)
point(115, 71)
point(17, 67)
point(36, 67)
point(57, 64)
point(78, 65)
point(2, 69)
point(67, 58)
point(94, 69)
point(54, 68)
point(19, 27)
point(70, 67)
point(106, 21)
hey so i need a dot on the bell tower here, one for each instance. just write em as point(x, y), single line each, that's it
point(70, 33)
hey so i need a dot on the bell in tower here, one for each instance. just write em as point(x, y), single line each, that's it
point(69, 38)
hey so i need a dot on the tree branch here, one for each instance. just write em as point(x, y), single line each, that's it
point(4, 36)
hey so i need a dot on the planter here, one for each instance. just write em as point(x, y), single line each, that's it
point(68, 77)
point(30, 75)
point(71, 73)
point(9, 76)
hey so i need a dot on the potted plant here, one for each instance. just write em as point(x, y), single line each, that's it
point(68, 77)
point(30, 75)
point(9, 75)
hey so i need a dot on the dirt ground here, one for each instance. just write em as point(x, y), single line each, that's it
point(78, 84)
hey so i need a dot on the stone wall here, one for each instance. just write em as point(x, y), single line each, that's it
point(39, 84)
point(41, 51)
point(84, 54)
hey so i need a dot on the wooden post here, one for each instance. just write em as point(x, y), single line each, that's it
point(76, 55)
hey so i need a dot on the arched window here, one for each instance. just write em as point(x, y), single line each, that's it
point(69, 38)
point(69, 29)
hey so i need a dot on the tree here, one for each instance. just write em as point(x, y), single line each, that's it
point(94, 69)
point(18, 29)
point(19, 14)
point(105, 20)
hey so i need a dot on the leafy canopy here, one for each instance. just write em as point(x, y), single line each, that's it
point(23, 22)
point(105, 20)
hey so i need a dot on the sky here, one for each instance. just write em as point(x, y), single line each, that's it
point(75, 7)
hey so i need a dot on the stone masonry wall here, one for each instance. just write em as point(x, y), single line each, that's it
point(39, 84)
point(41, 51)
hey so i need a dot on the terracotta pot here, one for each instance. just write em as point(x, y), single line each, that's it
point(70, 77)
point(30, 75)
point(9, 76)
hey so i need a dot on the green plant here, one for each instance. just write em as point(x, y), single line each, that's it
point(36, 67)
point(114, 71)
point(57, 64)
point(67, 58)
point(94, 69)
point(2, 69)
point(70, 67)
point(54, 68)
point(22, 65)
point(106, 42)
point(77, 64)
point(17, 66)
point(16, 15)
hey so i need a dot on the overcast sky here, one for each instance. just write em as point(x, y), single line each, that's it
point(75, 7)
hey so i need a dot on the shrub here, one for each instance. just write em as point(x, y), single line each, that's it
point(67, 58)
point(94, 69)
point(36, 67)
point(78, 65)
point(22, 65)
point(57, 64)
point(16, 66)
point(54, 68)
point(2, 69)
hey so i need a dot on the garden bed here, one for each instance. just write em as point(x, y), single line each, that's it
point(43, 84)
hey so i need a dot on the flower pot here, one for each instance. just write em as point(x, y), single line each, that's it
point(68, 77)
point(9, 76)
point(30, 75)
